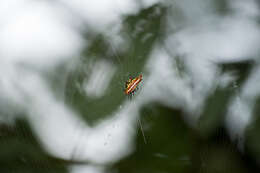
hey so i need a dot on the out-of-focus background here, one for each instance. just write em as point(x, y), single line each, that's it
point(63, 67)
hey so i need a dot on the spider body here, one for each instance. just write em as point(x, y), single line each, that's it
point(132, 85)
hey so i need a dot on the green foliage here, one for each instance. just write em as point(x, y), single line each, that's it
point(21, 153)
point(169, 143)
point(172, 146)
point(218, 102)
point(252, 133)
point(129, 62)
point(218, 154)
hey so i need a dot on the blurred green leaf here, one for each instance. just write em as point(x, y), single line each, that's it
point(252, 140)
point(169, 143)
point(218, 154)
point(142, 30)
point(217, 103)
point(21, 153)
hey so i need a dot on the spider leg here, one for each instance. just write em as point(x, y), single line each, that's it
point(126, 83)
point(132, 94)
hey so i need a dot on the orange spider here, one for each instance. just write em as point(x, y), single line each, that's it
point(131, 85)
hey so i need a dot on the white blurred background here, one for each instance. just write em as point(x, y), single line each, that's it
point(38, 37)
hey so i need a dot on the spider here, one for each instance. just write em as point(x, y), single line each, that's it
point(131, 86)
